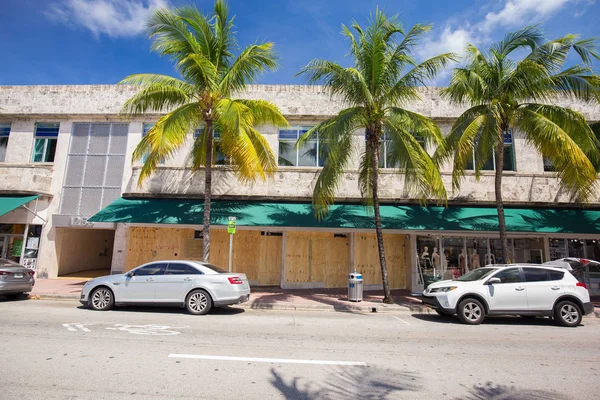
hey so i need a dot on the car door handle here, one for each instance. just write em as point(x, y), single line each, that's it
point(188, 279)
point(555, 288)
point(520, 288)
point(150, 279)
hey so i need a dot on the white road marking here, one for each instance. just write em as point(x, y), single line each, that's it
point(82, 327)
point(269, 360)
point(152, 330)
point(69, 327)
point(76, 327)
point(403, 321)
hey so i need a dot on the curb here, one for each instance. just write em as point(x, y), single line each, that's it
point(366, 309)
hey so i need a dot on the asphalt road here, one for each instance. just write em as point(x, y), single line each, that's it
point(55, 350)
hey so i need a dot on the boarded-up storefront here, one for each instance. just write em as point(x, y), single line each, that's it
point(256, 254)
point(366, 259)
point(316, 259)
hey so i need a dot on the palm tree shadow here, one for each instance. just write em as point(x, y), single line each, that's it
point(350, 383)
point(489, 391)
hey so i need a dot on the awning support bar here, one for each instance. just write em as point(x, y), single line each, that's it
point(36, 214)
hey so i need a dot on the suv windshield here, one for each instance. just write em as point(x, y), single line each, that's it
point(476, 275)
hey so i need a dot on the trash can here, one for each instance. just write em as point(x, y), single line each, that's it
point(355, 287)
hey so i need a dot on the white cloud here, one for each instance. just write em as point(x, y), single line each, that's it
point(114, 18)
point(517, 13)
point(449, 41)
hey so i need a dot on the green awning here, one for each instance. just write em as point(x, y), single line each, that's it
point(9, 203)
point(403, 217)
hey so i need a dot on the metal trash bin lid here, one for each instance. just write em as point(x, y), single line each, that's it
point(355, 276)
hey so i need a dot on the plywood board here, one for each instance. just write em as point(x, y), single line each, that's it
point(317, 257)
point(147, 244)
point(269, 271)
point(366, 259)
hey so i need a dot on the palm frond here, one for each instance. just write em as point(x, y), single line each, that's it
point(158, 93)
point(251, 62)
point(422, 175)
point(546, 128)
point(166, 137)
point(530, 36)
point(264, 113)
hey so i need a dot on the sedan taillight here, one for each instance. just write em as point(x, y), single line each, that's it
point(581, 284)
point(235, 280)
point(31, 273)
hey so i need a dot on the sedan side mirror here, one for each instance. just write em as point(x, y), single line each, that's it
point(130, 274)
point(494, 280)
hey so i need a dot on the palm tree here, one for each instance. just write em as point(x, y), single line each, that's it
point(505, 94)
point(202, 48)
point(382, 80)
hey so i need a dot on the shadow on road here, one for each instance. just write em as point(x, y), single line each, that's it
point(357, 382)
point(10, 298)
point(506, 320)
point(171, 310)
point(489, 391)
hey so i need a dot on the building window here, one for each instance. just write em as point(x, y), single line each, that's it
point(312, 154)
point(4, 132)
point(46, 137)
point(220, 158)
point(548, 165)
point(509, 156)
point(145, 130)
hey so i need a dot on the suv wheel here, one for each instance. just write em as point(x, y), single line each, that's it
point(471, 311)
point(567, 313)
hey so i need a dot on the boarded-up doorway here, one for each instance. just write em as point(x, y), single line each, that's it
point(316, 259)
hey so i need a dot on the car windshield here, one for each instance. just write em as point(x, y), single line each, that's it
point(476, 275)
point(215, 268)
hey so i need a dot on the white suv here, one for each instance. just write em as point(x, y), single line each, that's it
point(528, 290)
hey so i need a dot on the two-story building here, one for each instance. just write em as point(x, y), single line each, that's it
point(66, 156)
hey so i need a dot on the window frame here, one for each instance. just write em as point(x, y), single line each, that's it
point(509, 142)
point(300, 130)
point(220, 158)
point(46, 138)
point(5, 128)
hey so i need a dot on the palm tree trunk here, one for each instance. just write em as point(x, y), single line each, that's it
point(506, 256)
point(207, 192)
point(387, 294)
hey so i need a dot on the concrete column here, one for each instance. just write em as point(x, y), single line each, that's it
point(415, 287)
point(527, 158)
point(283, 250)
point(47, 257)
point(119, 254)
point(546, 249)
point(20, 141)
point(134, 135)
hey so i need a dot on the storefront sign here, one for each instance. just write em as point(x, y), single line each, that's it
point(80, 221)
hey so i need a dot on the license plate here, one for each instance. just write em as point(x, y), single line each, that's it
point(18, 275)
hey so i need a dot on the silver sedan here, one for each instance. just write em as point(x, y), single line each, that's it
point(195, 285)
point(15, 279)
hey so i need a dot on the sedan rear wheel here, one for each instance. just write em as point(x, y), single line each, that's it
point(198, 302)
point(567, 313)
point(102, 299)
point(471, 311)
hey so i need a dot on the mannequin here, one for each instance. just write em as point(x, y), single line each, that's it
point(474, 260)
point(425, 260)
point(435, 257)
point(490, 259)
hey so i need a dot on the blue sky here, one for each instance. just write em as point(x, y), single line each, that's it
point(102, 41)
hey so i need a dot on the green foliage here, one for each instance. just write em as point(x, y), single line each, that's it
point(202, 48)
point(383, 79)
point(519, 94)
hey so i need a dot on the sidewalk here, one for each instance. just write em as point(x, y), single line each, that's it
point(267, 298)
point(272, 298)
